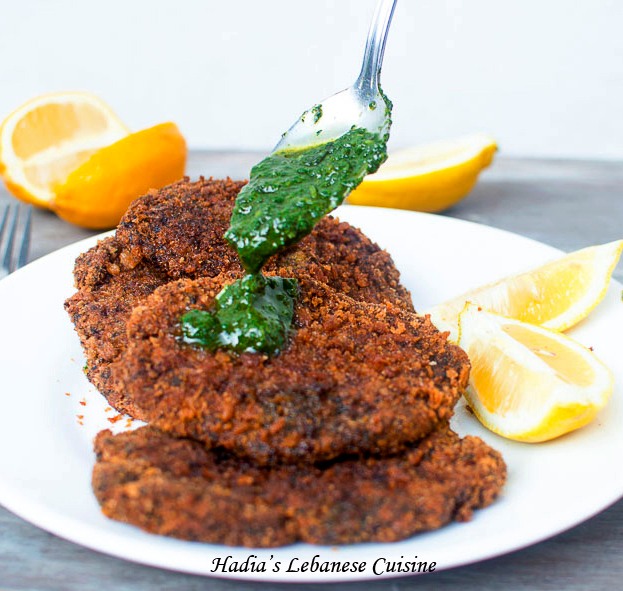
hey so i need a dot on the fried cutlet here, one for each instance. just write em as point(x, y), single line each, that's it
point(178, 232)
point(180, 229)
point(178, 487)
point(101, 308)
point(354, 377)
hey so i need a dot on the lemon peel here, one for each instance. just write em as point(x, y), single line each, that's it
point(427, 178)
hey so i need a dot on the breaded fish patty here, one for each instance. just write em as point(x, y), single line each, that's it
point(177, 487)
point(354, 377)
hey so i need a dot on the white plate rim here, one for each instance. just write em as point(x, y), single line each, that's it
point(108, 541)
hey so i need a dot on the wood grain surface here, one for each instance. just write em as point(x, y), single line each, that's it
point(567, 204)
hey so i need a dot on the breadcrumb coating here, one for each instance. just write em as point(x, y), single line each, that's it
point(178, 232)
point(177, 487)
point(354, 377)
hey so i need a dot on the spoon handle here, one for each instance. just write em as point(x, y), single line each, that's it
point(369, 77)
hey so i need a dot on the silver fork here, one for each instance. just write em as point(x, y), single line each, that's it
point(11, 232)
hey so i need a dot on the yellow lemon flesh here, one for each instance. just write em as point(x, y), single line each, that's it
point(529, 383)
point(556, 295)
point(46, 138)
point(430, 178)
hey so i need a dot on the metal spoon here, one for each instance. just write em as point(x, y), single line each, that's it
point(361, 105)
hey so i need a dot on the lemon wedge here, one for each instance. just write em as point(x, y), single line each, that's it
point(48, 137)
point(556, 295)
point(528, 383)
point(430, 178)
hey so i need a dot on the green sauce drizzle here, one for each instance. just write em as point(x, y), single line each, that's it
point(252, 315)
point(288, 193)
point(291, 190)
point(317, 113)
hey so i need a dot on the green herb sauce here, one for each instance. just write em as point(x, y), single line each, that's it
point(252, 315)
point(317, 113)
point(289, 191)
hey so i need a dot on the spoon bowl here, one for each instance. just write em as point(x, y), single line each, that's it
point(362, 105)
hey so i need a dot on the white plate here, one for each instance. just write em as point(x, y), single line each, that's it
point(46, 458)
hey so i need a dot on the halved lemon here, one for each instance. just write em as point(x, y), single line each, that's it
point(68, 152)
point(46, 138)
point(96, 194)
point(556, 295)
point(528, 383)
point(431, 177)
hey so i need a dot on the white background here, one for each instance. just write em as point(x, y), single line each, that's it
point(545, 77)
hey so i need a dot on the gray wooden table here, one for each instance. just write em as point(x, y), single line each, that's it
point(566, 204)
